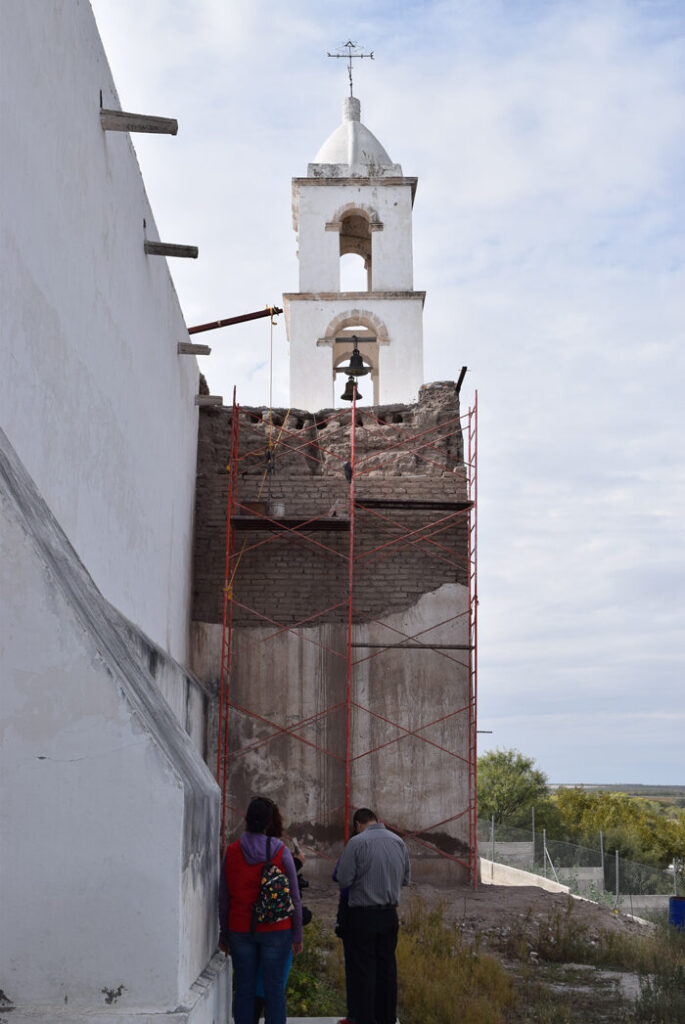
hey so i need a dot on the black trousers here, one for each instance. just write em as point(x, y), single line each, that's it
point(371, 934)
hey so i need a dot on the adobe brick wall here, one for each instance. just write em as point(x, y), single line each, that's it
point(402, 452)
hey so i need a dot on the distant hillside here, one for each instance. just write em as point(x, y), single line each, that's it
point(664, 794)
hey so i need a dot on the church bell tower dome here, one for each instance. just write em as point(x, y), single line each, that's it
point(352, 151)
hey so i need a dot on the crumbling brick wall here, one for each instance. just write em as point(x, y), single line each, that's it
point(411, 454)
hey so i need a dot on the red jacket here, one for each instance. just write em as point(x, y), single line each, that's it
point(240, 883)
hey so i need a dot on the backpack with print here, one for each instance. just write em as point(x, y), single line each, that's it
point(273, 900)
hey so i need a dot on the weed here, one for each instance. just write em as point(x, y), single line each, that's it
point(605, 899)
point(442, 979)
point(662, 980)
point(662, 996)
point(317, 977)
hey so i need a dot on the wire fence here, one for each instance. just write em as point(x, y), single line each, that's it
point(595, 872)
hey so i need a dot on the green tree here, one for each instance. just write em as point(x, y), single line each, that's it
point(639, 829)
point(509, 784)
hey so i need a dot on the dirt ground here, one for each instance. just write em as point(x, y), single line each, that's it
point(499, 918)
point(491, 910)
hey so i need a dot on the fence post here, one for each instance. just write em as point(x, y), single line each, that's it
point(532, 811)
point(492, 839)
point(544, 851)
point(617, 888)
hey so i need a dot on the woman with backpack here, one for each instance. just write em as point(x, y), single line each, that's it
point(260, 913)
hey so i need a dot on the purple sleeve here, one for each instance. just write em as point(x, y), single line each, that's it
point(224, 901)
point(289, 868)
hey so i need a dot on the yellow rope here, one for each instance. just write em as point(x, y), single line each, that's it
point(271, 446)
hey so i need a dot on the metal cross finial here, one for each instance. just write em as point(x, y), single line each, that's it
point(349, 56)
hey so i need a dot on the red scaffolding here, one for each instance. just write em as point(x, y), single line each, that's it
point(443, 529)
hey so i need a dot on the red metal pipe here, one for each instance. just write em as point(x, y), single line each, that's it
point(269, 311)
point(348, 697)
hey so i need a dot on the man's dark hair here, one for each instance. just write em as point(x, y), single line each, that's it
point(363, 816)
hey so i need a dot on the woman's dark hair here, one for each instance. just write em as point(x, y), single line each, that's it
point(275, 829)
point(259, 814)
point(264, 816)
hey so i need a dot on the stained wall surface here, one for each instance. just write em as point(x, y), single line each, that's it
point(288, 680)
point(93, 396)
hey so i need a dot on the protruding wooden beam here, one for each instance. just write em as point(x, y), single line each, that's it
point(122, 121)
point(208, 400)
point(169, 249)
point(186, 348)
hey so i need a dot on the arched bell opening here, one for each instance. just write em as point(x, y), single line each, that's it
point(355, 239)
point(361, 339)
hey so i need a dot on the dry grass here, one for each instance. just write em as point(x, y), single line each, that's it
point(442, 979)
point(445, 977)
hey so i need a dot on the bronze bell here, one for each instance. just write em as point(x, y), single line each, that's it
point(356, 366)
point(351, 388)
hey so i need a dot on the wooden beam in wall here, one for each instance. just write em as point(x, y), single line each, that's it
point(208, 400)
point(122, 121)
point(169, 249)
point(186, 348)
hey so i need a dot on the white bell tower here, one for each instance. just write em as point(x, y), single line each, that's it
point(354, 200)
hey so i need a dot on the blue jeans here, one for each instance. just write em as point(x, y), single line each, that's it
point(248, 952)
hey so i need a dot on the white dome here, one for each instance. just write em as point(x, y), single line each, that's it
point(352, 150)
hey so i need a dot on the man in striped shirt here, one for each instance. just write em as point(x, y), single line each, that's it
point(374, 866)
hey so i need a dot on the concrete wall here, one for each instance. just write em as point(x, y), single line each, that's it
point(492, 873)
point(583, 879)
point(109, 839)
point(642, 904)
point(520, 854)
point(94, 398)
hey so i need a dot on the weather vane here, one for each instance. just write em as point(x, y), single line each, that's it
point(349, 57)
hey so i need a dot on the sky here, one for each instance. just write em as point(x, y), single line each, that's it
point(548, 137)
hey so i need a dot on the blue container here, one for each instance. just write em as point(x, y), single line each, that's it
point(676, 911)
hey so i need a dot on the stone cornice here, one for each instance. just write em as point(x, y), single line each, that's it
point(351, 296)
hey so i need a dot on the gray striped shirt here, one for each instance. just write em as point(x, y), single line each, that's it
point(374, 866)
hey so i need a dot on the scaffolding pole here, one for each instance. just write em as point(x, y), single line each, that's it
point(431, 538)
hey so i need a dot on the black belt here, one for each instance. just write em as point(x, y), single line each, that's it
point(376, 906)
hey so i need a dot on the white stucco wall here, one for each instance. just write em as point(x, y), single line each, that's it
point(400, 357)
point(109, 839)
point(93, 395)
point(109, 844)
